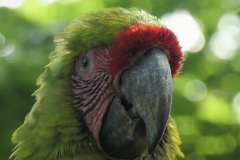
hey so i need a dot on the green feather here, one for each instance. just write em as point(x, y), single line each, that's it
point(51, 129)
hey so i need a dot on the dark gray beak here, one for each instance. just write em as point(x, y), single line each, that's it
point(135, 121)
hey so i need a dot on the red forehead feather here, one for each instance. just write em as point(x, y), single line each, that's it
point(136, 38)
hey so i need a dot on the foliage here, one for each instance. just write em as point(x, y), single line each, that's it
point(206, 101)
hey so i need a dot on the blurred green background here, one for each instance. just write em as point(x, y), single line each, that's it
point(206, 102)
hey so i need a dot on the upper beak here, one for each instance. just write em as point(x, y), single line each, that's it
point(136, 121)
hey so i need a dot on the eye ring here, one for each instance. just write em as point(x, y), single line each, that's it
point(84, 63)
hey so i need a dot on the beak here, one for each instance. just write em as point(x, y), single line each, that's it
point(135, 121)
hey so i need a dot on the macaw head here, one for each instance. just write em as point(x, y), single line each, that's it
point(108, 85)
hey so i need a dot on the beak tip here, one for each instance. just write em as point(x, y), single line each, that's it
point(150, 151)
point(152, 147)
point(154, 136)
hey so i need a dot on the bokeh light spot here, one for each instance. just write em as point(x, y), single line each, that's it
point(186, 28)
point(13, 4)
point(230, 23)
point(2, 40)
point(7, 50)
point(226, 40)
point(47, 2)
point(223, 46)
point(236, 104)
point(195, 90)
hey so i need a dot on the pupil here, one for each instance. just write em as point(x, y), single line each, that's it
point(84, 62)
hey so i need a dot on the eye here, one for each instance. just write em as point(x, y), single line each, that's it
point(84, 64)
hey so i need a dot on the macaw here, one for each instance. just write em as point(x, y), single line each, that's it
point(106, 92)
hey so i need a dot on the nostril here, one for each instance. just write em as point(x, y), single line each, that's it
point(130, 109)
point(126, 104)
